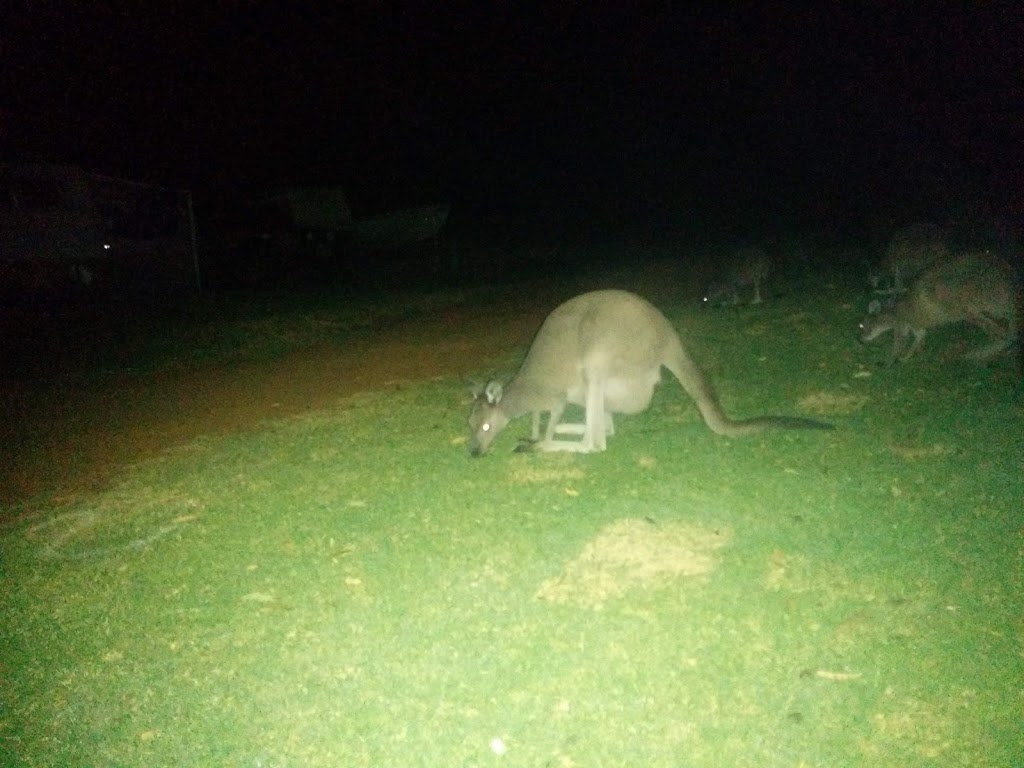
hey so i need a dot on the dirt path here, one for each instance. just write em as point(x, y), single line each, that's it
point(78, 441)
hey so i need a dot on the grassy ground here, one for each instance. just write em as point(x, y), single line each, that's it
point(349, 588)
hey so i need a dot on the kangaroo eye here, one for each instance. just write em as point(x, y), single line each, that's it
point(485, 428)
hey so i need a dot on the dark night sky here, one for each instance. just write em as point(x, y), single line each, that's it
point(608, 108)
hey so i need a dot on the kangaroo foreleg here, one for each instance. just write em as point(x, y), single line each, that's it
point(593, 432)
point(900, 350)
point(575, 428)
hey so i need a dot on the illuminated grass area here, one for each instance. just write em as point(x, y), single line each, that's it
point(349, 588)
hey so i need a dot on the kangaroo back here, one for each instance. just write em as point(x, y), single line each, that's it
point(962, 287)
point(911, 251)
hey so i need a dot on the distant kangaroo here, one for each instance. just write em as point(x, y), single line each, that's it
point(975, 288)
point(748, 267)
point(911, 251)
point(604, 351)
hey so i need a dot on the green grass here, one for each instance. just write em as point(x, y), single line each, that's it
point(349, 588)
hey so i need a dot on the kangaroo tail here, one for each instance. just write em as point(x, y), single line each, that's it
point(699, 388)
point(761, 423)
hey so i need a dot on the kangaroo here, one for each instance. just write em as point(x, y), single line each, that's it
point(602, 350)
point(748, 268)
point(910, 251)
point(975, 288)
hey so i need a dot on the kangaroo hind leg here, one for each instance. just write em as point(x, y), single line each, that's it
point(595, 436)
point(1002, 337)
point(757, 291)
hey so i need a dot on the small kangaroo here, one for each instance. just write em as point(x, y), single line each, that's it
point(602, 350)
point(910, 251)
point(975, 288)
point(748, 267)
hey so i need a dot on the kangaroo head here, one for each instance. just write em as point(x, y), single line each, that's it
point(713, 294)
point(877, 321)
point(487, 418)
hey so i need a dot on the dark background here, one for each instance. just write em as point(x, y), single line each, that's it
point(635, 115)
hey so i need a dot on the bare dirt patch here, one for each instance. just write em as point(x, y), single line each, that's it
point(918, 452)
point(634, 554)
point(561, 469)
point(73, 438)
point(832, 403)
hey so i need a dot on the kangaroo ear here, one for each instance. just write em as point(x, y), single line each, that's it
point(874, 307)
point(493, 392)
point(475, 388)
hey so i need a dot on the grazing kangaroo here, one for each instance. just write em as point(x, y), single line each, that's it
point(604, 351)
point(748, 267)
point(975, 288)
point(910, 251)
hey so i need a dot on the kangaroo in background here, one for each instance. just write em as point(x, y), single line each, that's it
point(910, 251)
point(748, 267)
point(602, 350)
point(975, 288)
